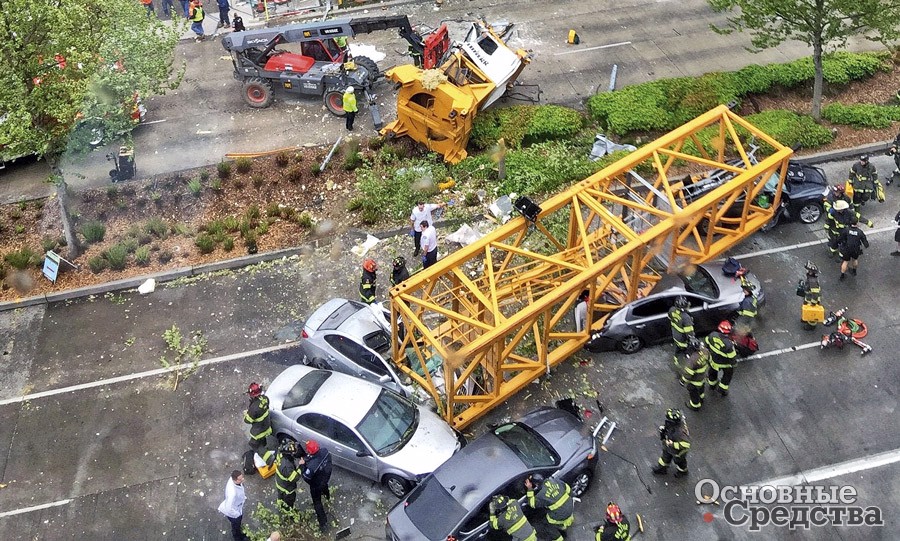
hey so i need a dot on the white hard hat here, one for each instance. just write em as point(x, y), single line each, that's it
point(840, 204)
point(349, 89)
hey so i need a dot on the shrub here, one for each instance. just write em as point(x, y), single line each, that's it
point(634, 108)
point(862, 115)
point(231, 223)
point(391, 192)
point(205, 243)
point(315, 170)
point(142, 256)
point(224, 169)
point(15, 214)
point(262, 228)
point(288, 213)
point(93, 231)
point(355, 204)
point(294, 174)
point(130, 244)
point(157, 227)
point(253, 213)
point(228, 244)
point(545, 167)
point(250, 242)
point(245, 228)
point(112, 191)
point(273, 210)
point(257, 180)
point(48, 244)
point(97, 264)
point(304, 220)
point(471, 199)
point(791, 129)
point(214, 227)
point(204, 175)
point(352, 161)
point(165, 256)
point(195, 187)
point(370, 216)
point(551, 122)
point(144, 238)
point(156, 197)
point(21, 259)
point(20, 229)
point(117, 256)
point(508, 123)
point(243, 165)
point(181, 228)
point(282, 159)
point(238, 183)
point(377, 142)
point(216, 185)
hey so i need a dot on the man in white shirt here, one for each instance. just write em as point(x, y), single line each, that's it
point(581, 309)
point(428, 244)
point(233, 506)
point(419, 213)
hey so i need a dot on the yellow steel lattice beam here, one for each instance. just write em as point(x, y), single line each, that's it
point(495, 315)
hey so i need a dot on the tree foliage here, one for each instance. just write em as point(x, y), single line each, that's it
point(824, 25)
point(71, 64)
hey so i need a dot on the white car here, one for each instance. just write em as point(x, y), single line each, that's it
point(369, 429)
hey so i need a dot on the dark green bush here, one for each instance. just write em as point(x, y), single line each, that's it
point(231, 223)
point(214, 227)
point(862, 115)
point(205, 243)
point(204, 175)
point(243, 165)
point(97, 263)
point(224, 169)
point(116, 256)
point(282, 159)
point(228, 244)
point(634, 108)
point(294, 174)
point(304, 220)
point(157, 227)
point(195, 187)
point(273, 210)
point(355, 204)
point(21, 259)
point(524, 125)
point(49, 244)
point(93, 231)
point(165, 256)
point(352, 161)
point(545, 168)
point(142, 256)
point(253, 213)
point(787, 127)
point(131, 244)
point(752, 79)
point(552, 122)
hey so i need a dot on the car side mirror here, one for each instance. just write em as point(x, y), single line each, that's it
point(384, 379)
point(362, 454)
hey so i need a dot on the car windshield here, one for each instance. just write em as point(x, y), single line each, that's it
point(527, 445)
point(432, 509)
point(390, 423)
point(701, 283)
point(337, 318)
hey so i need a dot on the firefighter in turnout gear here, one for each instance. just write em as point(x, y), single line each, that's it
point(554, 497)
point(723, 357)
point(286, 474)
point(368, 281)
point(682, 328)
point(675, 444)
point(257, 416)
point(616, 527)
point(507, 516)
point(748, 309)
point(838, 219)
point(895, 152)
point(864, 182)
point(812, 311)
point(695, 367)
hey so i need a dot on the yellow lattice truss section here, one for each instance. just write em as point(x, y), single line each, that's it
point(497, 314)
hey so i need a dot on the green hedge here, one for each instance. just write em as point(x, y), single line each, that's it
point(862, 115)
point(668, 103)
point(786, 127)
point(547, 167)
point(522, 125)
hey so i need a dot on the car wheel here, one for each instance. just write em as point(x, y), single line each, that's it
point(257, 92)
point(630, 344)
point(321, 364)
point(810, 212)
point(581, 482)
point(397, 485)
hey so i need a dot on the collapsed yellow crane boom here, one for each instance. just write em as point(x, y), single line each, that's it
point(495, 313)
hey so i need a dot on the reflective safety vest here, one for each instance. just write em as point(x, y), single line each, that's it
point(197, 13)
point(257, 416)
point(286, 475)
point(682, 326)
point(722, 349)
point(554, 496)
point(350, 102)
point(677, 434)
point(748, 307)
point(514, 523)
point(367, 287)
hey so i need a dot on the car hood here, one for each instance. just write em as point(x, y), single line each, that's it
point(431, 445)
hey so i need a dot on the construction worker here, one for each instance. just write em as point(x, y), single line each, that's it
point(286, 474)
point(196, 17)
point(748, 309)
point(316, 471)
point(507, 516)
point(367, 282)
point(399, 272)
point(257, 416)
point(695, 367)
point(851, 247)
point(895, 152)
point(674, 435)
point(350, 108)
point(864, 181)
point(554, 497)
point(616, 527)
point(682, 327)
point(723, 356)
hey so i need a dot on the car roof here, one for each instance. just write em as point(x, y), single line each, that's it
point(350, 317)
point(340, 396)
point(330, 310)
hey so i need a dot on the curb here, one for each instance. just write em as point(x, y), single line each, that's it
point(166, 276)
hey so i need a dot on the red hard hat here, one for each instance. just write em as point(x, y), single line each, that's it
point(254, 390)
point(370, 265)
point(613, 513)
point(725, 327)
point(312, 447)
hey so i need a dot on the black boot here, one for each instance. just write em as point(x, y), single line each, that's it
point(679, 473)
point(659, 469)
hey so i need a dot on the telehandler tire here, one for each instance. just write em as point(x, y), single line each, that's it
point(334, 101)
point(257, 92)
point(370, 66)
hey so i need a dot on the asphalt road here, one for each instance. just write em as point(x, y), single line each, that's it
point(136, 459)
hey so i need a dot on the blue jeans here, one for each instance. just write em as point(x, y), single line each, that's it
point(223, 15)
point(197, 28)
point(186, 6)
point(167, 7)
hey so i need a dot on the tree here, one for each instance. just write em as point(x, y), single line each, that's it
point(824, 25)
point(71, 72)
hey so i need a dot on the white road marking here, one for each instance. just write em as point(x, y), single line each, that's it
point(593, 48)
point(836, 470)
point(147, 374)
point(34, 508)
point(803, 244)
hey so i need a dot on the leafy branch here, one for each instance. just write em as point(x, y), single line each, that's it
point(183, 351)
